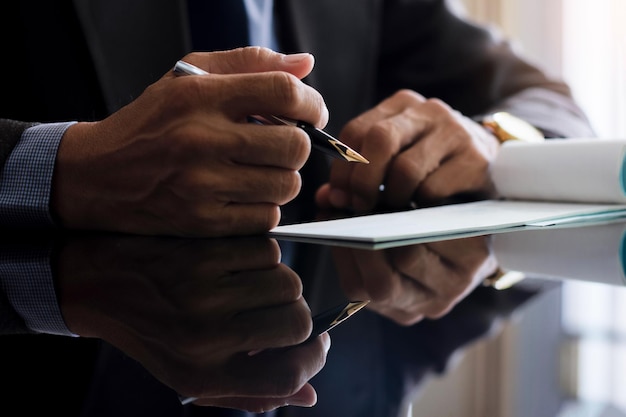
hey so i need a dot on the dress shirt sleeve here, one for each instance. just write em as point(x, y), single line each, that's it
point(26, 178)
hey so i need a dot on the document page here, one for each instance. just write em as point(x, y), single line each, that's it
point(488, 216)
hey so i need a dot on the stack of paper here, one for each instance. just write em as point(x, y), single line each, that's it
point(542, 184)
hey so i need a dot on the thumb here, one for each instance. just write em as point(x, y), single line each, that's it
point(252, 59)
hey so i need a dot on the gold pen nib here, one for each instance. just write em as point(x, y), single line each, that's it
point(348, 153)
point(348, 310)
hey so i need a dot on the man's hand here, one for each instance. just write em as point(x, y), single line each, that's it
point(409, 283)
point(192, 312)
point(420, 150)
point(182, 158)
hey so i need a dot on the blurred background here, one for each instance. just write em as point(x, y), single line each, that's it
point(576, 334)
point(581, 41)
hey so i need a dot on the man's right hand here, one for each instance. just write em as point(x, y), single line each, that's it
point(183, 160)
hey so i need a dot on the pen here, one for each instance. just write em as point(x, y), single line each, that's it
point(322, 323)
point(320, 140)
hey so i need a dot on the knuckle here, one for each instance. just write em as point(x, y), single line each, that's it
point(407, 95)
point(290, 285)
point(286, 88)
point(259, 53)
point(301, 323)
point(385, 137)
point(440, 112)
point(288, 186)
point(408, 318)
point(298, 147)
point(288, 382)
point(408, 168)
point(437, 105)
point(438, 310)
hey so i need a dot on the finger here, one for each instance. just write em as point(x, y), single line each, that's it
point(443, 282)
point(238, 143)
point(322, 198)
point(278, 93)
point(231, 255)
point(274, 373)
point(259, 185)
point(378, 278)
point(278, 146)
point(230, 220)
point(242, 95)
point(460, 174)
point(348, 272)
point(392, 140)
point(356, 129)
point(290, 368)
point(380, 135)
point(271, 327)
point(441, 141)
point(252, 59)
point(355, 134)
point(248, 290)
point(305, 397)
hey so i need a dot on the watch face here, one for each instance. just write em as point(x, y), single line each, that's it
point(515, 128)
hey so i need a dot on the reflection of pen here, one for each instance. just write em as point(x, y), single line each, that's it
point(322, 323)
point(328, 319)
point(320, 140)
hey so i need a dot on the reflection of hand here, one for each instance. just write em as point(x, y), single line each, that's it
point(409, 283)
point(182, 159)
point(191, 311)
point(421, 150)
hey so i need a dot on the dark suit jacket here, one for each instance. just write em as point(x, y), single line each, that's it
point(82, 59)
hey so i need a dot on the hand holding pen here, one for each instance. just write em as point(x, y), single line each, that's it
point(322, 323)
point(192, 315)
point(180, 158)
point(320, 140)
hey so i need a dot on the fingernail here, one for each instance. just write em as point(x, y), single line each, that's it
point(296, 58)
point(326, 340)
point(301, 400)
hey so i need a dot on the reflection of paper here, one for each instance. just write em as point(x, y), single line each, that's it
point(589, 253)
point(578, 170)
point(482, 217)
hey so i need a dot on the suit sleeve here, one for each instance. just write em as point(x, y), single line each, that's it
point(430, 49)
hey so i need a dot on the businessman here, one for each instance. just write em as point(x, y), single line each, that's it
point(97, 133)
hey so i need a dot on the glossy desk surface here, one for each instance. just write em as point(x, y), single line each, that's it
point(166, 316)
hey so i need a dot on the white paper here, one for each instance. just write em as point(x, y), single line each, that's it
point(488, 216)
point(573, 170)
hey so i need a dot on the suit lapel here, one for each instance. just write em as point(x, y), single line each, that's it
point(132, 43)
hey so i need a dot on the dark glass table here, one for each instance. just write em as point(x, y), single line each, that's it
point(503, 325)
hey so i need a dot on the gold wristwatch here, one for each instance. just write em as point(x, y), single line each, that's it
point(505, 127)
